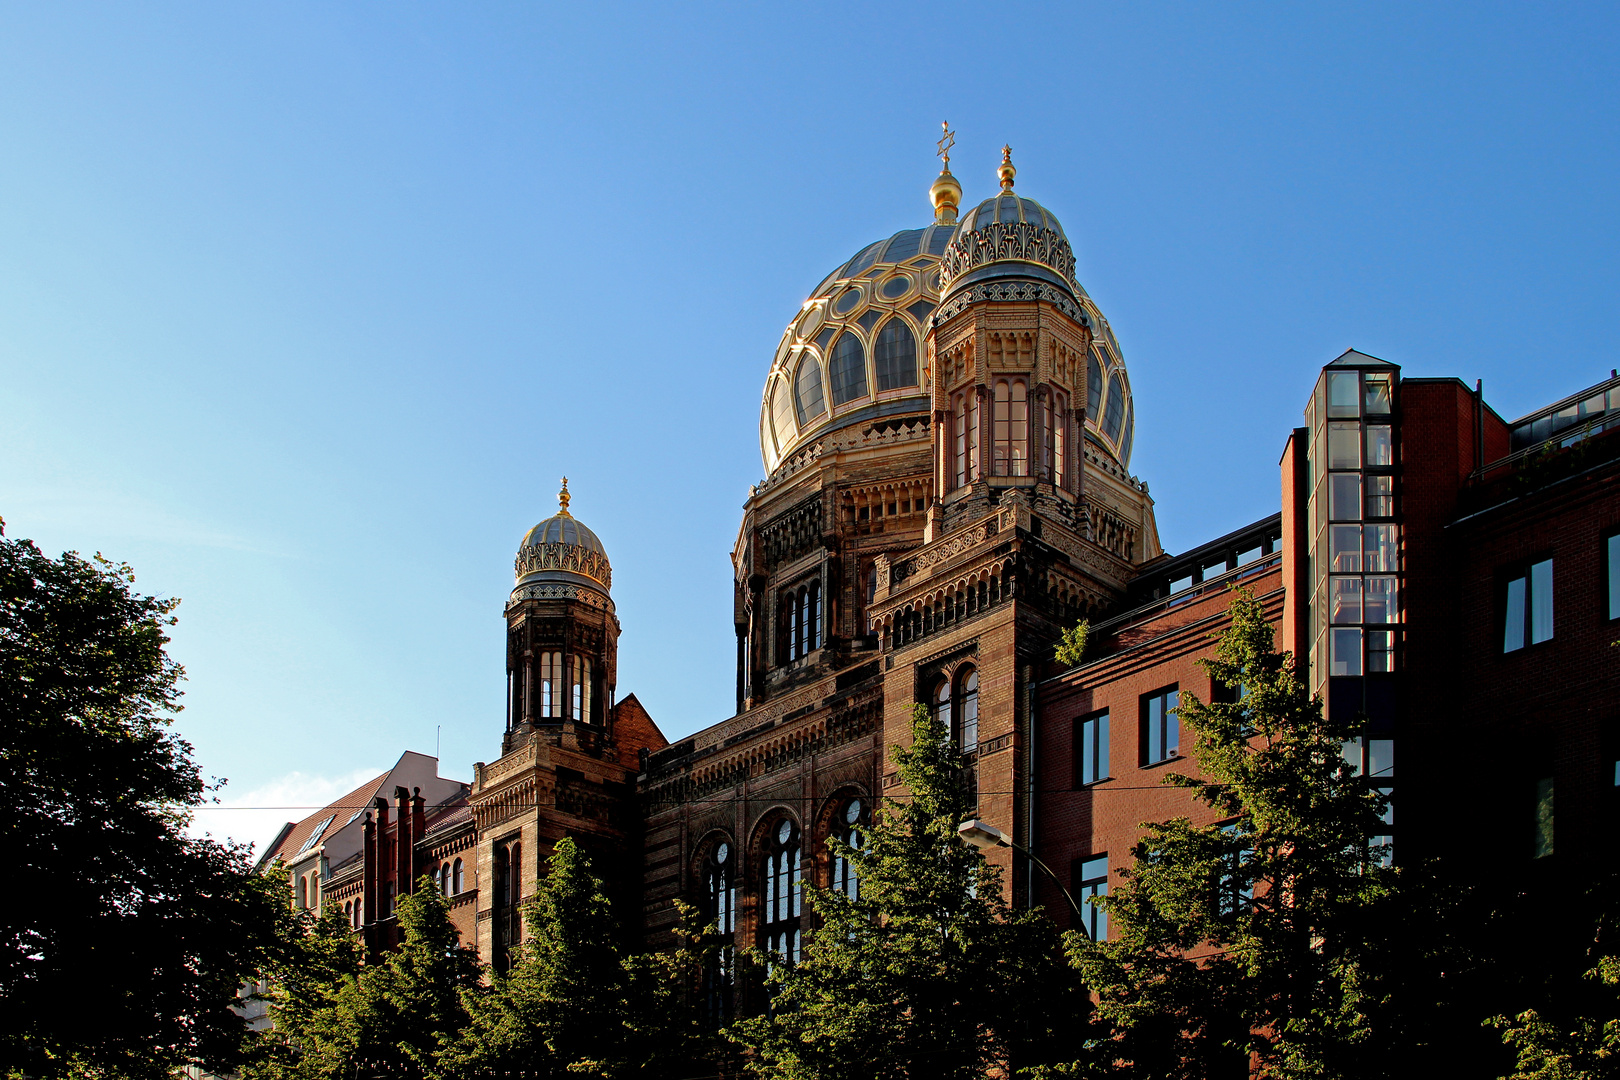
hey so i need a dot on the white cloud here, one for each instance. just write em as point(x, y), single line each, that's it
point(257, 816)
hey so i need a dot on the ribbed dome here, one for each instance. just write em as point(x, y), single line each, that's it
point(854, 353)
point(561, 550)
point(1008, 237)
point(563, 528)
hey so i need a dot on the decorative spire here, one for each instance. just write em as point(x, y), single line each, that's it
point(563, 498)
point(946, 192)
point(1006, 172)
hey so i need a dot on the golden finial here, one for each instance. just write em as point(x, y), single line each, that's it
point(946, 192)
point(1006, 172)
point(563, 499)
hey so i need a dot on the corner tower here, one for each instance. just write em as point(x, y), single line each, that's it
point(569, 752)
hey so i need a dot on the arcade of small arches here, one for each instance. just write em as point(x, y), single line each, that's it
point(946, 606)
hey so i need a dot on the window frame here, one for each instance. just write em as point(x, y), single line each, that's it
point(1526, 571)
point(1091, 743)
point(1609, 551)
point(1094, 920)
point(1167, 723)
point(781, 919)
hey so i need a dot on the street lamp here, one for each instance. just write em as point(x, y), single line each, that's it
point(983, 836)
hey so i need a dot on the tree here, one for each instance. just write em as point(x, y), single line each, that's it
point(117, 914)
point(1274, 934)
point(403, 1011)
point(575, 1003)
point(1071, 648)
point(305, 987)
point(927, 971)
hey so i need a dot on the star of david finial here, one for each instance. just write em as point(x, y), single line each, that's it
point(947, 141)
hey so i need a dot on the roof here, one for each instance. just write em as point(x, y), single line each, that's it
point(306, 834)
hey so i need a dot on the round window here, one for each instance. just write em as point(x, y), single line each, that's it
point(898, 285)
point(784, 832)
point(722, 852)
point(846, 303)
point(852, 812)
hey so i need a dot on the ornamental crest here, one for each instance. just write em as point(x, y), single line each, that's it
point(570, 557)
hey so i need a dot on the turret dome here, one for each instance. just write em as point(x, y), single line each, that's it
point(561, 551)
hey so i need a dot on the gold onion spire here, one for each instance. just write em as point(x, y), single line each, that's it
point(563, 499)
point(1006, 172)
point(946, 192)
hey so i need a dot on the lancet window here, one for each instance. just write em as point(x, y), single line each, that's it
point(720, 905)
point(581, 687)
point(1055, 418)
point(896, 356)
point(845, 825)
point(965, 437)
point(801, 615)
point(548, 673)
point(848, 369)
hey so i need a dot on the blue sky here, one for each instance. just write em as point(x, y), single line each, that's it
point(304, 308)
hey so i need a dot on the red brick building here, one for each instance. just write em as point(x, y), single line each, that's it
point(946, 429)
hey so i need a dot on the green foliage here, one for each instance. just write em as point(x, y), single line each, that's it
point(318, 969)
point(1071, 648)
point(574, 1003)
point(1575, 1034)
point(1260, 934)
point(928, 972)
point(127, 953)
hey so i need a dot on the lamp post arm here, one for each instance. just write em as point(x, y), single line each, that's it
point(1079, 916)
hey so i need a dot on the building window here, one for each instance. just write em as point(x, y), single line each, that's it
point(800, 610)
point(896, 356)
point(965, 433)
point(1234, 891)
point(457, 883)
point(1611, 548)
point(1380, 496)
point(1161, 731)
point(720, 905)
point(1091, 749)
point(1010, 421)
point(782, 892)
point(1543, 844)
point(582, 688)
point(1094, 388)
point(551, 685)
point(1091, 882)
point(941, 704)
point(808, 402)
point(1056, 416)
point(847, 370)
point(301, 898)
point(967, 711)
point(1114, 419)
point(843, 870)
point(1529, 609)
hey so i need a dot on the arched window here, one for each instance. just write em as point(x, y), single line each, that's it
point(1129, 436)
point(848, 369)
point(942, 704)
point(895, 356)
point(550, 685)
point(1057, 437)
point(1094, 387)
point(1116, 408)
point(720, 906)
point(815, 615)
point(582, 688)
point(302, 896)
point(457, 883)
point(1011, 428)
point(781, 891)
point(965, 436)
point(781, 412)
point(843, 870)
point(807, 400)
point(967, 711)
point(348, 911)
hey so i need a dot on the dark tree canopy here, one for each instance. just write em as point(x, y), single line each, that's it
point(123, 918)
